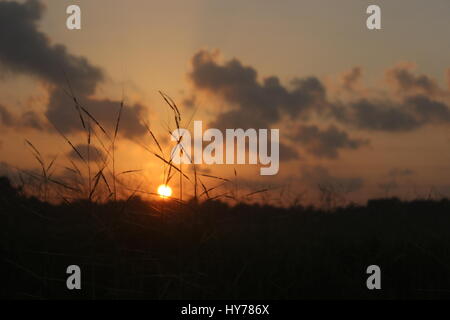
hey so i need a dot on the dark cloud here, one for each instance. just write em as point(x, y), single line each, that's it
point(388, 187)
point(87, 152)
point(6, 170)
point(28, 119)
point(375, 115)
point(397, 172)
point(394, 175)
point(199, 169)
point(24, 49)
point(190, 101)
point(317, 175)
point(6, 118)
point(428, 110)
point(390, 116)
point(405, 81)
point(258, 104)
point(105, 111)
point(288, 153)
point(31, 119)
point(351, 79)
point(326, 143)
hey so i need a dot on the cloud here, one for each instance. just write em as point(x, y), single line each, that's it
point(258, 104)
point(190, 101)
point(418, 104)
point(87, 152)
point(374, 115)
point(6, 170)
point(288, 153)
point(31, 119)
point(26, 50)
point(105, 111)
point(428, 110)
point(415, 101)
point(397, 172)
point(28, 119)
point(394, 175)
point(404, 81)
point(261, 103)
point(326, 143)
point(6, 118)
point(318, 175)
point(350, 79)
point(390, 116)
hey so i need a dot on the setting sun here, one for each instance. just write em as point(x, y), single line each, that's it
point(164, 191)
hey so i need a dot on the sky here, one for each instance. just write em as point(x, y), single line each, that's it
point(367, 111)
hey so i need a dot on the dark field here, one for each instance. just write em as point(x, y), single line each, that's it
point(213, 251)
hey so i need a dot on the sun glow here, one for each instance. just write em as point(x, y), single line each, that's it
point(164, 191)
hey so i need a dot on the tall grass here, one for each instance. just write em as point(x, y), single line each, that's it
point(98, 180)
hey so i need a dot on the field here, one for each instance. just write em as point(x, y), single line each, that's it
point(210, 250)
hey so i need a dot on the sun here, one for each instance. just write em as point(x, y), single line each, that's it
point(164, 191)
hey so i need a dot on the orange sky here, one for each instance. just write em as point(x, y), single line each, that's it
point(145, 46)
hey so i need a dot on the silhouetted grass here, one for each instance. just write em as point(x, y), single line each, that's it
point(202, 248)
point(209, 250)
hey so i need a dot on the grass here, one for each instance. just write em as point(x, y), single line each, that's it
point(211, 250)
point(201, 247)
